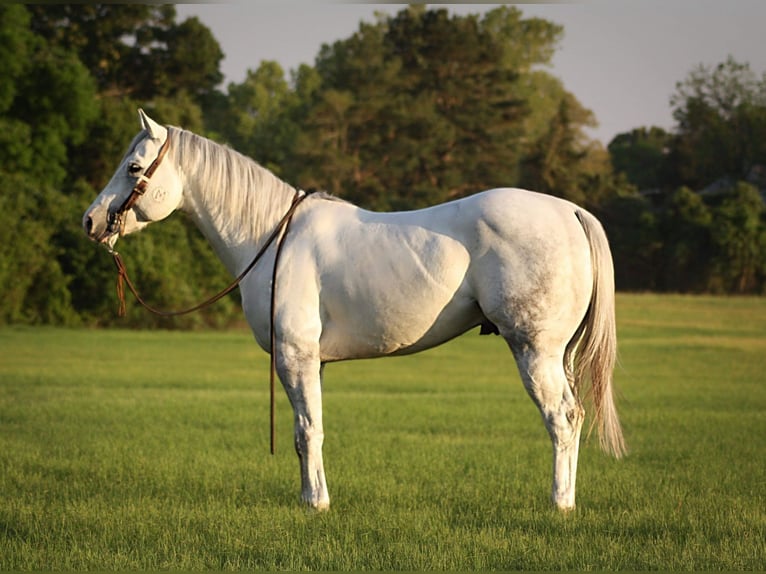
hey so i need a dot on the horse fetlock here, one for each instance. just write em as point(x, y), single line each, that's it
point(314, 490)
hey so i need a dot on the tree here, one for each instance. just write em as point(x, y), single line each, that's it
point(562, 162)
point(350, 113)
point(425, 106)
point(264, 113)
point(33, 287)
point(686, 228)
point(721, 118)
point(16, 43)
point(45, 101)
point(44, 111)
point(634, 237)
point(740, 241)
point(189, 62)
point(115, 42)
point(641, 154)
point(466, 112)
point(67, 74)
point(324, 148)
point(135, 50)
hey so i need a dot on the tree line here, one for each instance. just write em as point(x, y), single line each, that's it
point(413, 109)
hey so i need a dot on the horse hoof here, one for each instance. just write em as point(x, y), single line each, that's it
point(318, 508)
point(317, 505)
point(565, 508)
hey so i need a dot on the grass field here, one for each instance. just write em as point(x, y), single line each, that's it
point(149, 450)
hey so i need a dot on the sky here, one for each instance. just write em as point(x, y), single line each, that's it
point(620, 58)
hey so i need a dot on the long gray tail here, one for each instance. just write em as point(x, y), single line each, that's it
point(593, 348)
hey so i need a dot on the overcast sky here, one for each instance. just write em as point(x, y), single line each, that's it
point(621, 59)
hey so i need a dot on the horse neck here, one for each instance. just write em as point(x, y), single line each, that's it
point(235, 202)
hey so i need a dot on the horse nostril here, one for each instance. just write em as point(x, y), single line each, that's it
point(88, 225)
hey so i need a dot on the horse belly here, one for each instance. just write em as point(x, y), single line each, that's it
point(460, 315)
point(400, 294)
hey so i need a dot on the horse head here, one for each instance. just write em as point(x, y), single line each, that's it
point(143, 189)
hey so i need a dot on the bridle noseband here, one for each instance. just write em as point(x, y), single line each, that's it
point(116, 219)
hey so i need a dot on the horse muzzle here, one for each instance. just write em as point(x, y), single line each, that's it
point(105, 232)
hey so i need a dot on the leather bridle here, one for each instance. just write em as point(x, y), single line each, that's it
point(116, 219)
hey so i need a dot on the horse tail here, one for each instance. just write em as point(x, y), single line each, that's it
point(592, 352)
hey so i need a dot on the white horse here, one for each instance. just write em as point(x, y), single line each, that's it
point(355, 284)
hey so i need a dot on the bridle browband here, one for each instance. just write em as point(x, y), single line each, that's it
point(116, 219)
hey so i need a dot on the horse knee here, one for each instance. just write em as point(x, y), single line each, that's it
point(307, 438)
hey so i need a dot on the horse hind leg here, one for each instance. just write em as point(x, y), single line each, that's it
point(545, 378)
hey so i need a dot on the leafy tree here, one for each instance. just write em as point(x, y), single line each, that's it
point(67, 73)
point(557, 162)
point(45, 110)
point(351, 111)
point(686, 227)
point(16, 47)
point(45, 102)
point(423, 106)
point(89, 271)
point(632, 226)
point(33, 287)
point(264, 113)
point(641, 154)
point(465, 119)
point(118, 43)
point(525, 43)
point(721, 116)
point(189, 62)
point(134, 50)
point(740, 241)
point(16, 42)
point(324, 147)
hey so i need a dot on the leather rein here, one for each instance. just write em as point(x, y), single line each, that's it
point(115, 224)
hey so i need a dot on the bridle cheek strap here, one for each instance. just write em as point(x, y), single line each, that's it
point(117, 219)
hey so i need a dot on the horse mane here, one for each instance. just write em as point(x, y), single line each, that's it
point(238, 194)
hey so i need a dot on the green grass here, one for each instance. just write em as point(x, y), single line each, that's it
point(149, 450)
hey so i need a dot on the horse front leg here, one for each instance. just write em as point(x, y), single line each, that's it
point(301, 374)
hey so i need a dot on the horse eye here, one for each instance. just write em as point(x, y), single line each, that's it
point(134, 169)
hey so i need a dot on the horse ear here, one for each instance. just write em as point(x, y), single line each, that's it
point(155, 130)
